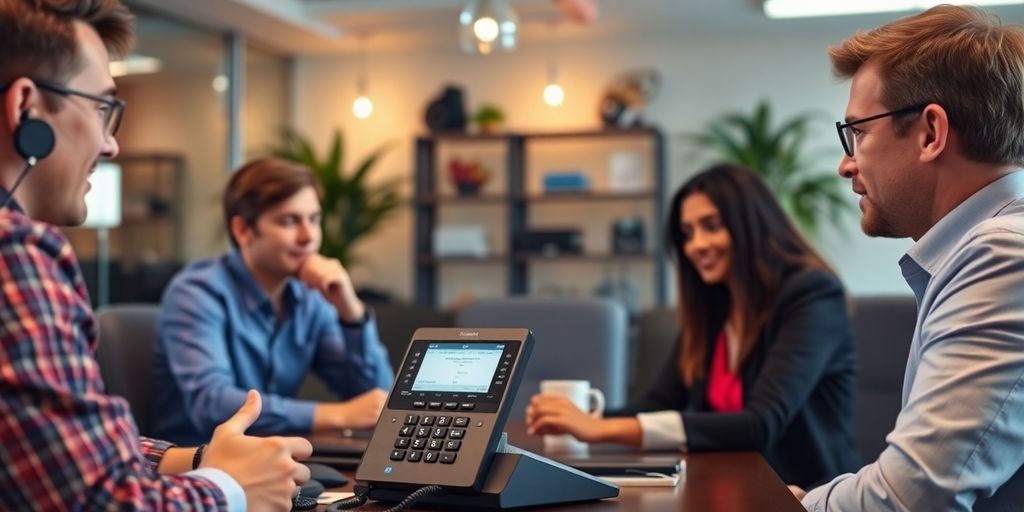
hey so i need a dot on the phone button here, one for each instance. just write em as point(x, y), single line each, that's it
point(434, 405)
point(419, 405)
point(406, 431)
point(423, 432)
point(448, 458)
point(440, 433)
point(461, 422)
point(397, 454)
point(435, 444)
point(419, 444)
point(430, 456)
point(402, 442)
point(452, 445)
point(412, 419)
point(451, 405)
point(467, 407)
point(415, 456)
point(457, 433)
point(444, 421)
point(427, 421)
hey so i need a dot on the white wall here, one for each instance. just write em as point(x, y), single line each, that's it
point(702, 79)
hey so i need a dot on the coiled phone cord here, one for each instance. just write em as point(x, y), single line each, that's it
point(359, 499)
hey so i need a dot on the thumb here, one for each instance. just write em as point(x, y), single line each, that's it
point(246, 415)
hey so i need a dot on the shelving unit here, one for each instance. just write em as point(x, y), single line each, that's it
point(514, 196)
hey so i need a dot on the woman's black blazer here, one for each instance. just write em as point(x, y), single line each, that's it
point(798, 388)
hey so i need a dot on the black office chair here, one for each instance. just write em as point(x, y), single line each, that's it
point(125, 355)
point(882, 330)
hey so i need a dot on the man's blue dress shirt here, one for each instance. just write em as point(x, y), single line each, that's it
point(218, 336)
point(958, 442)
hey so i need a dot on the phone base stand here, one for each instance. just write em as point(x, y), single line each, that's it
point(517, 479)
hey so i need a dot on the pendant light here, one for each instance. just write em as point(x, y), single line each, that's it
point(488, 25)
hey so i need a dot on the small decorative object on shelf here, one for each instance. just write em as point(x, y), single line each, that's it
point(447, 113)
point(468, 177)
point(628, 236)
point(627, 96)
point(488, 119)
point(551, 242)
point(627, 172)
point(454, 241)
point(566, 181)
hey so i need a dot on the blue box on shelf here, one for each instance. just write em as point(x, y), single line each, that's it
point(566, 181)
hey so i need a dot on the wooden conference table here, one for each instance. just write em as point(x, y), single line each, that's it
point(730, 481)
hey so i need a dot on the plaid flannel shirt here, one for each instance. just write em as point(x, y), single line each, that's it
point(64, 444)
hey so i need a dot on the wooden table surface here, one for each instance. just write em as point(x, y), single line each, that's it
point(728, 481)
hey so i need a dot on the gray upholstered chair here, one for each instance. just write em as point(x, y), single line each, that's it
point(882, 330)
point(574, 339)
point(655, 335)
point(125, 355)
point(396, 321)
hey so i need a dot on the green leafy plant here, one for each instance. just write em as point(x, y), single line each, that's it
point(352, 207)
point(488, 117)
point(779, 156)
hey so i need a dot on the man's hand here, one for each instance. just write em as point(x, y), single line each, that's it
point(330, 278)
point(359, 412)
point(798, 492)
point(266, 468)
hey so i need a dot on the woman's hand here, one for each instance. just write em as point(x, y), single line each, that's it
point(555, 414)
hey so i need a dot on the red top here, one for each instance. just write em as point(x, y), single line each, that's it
point(725, 388)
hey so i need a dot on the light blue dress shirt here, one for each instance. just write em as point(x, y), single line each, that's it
point(958, 443)
point(218, 336)
point(234, 495)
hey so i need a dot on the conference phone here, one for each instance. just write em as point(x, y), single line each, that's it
point(443, 423)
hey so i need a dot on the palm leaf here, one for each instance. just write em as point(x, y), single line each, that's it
point(779, 155)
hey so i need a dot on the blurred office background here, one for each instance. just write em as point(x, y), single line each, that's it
point(215, 83)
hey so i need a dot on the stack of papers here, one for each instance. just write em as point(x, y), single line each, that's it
point(642, 479)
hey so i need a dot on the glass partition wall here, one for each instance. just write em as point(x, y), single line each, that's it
point(176, 140)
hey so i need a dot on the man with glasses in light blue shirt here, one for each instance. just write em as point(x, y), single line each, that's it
point(934, 141)
point(263, 316)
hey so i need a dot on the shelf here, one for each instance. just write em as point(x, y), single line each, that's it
point(494, 259)
point(518, 200)
point(525, 257)
point(588, 197)
point(500, 137)
point(429, 199)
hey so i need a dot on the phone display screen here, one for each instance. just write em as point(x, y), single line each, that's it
point(454, 375)
point(458, 367)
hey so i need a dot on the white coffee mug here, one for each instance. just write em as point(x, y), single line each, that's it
point(587, 399)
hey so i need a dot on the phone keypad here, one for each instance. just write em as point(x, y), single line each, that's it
point(418, 442)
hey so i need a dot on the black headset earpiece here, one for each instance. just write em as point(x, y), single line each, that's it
point(33, 138)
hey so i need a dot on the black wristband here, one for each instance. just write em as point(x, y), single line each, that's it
point(198, 457)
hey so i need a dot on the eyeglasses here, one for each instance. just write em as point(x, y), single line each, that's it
point(112, 109)
point(848, 136)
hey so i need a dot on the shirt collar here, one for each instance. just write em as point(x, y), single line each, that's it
point(252, 295)
point(931, 250)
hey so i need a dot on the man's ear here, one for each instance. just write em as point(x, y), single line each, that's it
point(21, 96)
point(241, 231)
point(935, 134)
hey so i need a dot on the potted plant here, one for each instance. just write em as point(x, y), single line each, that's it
point(467, 177)
point(778, 155)
point(352, 207)
point(489, 118)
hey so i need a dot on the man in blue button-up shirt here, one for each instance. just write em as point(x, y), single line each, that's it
point(262, 316)
point(934, 140)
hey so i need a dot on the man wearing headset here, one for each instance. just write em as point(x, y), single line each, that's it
point(64, 443)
